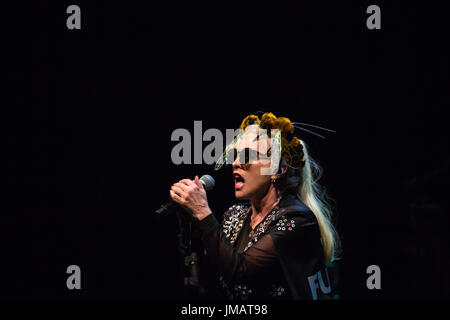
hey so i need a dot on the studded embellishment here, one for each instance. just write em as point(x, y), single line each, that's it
point(236, 292)
point(277, 291)
point(234, 220)
point(285, 224)
point(242, 292)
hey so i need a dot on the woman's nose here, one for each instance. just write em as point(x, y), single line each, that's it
point(236, 163)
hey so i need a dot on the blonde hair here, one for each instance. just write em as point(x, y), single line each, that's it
point(313, 195)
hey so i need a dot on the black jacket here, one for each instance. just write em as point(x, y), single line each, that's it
point(283, 259)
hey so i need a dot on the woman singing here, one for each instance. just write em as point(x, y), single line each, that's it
point(278, 243)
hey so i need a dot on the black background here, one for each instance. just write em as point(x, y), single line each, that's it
point(89, 114)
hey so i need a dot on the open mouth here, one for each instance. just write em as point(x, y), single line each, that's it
point(238, 181)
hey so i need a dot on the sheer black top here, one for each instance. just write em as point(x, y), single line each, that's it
point(282, 259)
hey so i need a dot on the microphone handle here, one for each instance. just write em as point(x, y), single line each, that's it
point(165, 208)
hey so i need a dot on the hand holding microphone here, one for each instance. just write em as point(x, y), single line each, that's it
point(191, 194)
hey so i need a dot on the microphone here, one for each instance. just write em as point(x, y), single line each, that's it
point(207, 182)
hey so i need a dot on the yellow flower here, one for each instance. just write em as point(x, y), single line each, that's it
point(268, 121)
point(250, 119)
point(295, 142)
point(285, 125)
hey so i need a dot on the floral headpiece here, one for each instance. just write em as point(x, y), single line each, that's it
point(285, 143)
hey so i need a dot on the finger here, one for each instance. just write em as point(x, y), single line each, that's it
point(174, 196)
point(188, 182)
point(178, 191)
point(198, 183)
point(193, 185)
point(181, 186)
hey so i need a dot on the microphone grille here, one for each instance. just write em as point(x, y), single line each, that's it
point(208, 182)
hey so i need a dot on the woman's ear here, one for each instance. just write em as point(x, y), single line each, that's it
point(282, 170)
point(284, 167)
